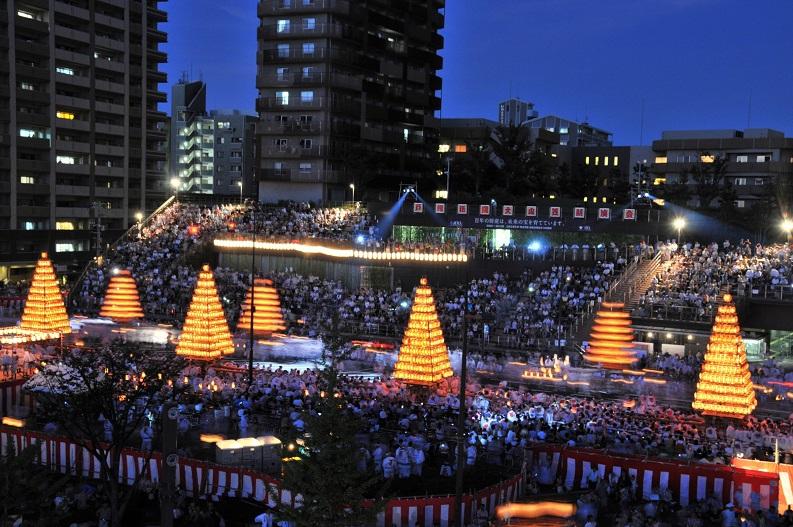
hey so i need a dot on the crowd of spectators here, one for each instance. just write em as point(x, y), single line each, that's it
point(690, 286)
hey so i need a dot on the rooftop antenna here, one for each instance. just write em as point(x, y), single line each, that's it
point(641, 126)
point(749, 111)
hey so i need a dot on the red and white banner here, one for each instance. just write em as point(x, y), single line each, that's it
point(462, 208)
point(531, 211)
point(12, 395)
point(484, 210)
point(418, 207)
point(579, 213)
point(440, 208)
point(629, 214)
point(604, 213)
point(555, 212)
point(507, 210)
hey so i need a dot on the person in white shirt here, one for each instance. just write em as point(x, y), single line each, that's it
point(418, 462)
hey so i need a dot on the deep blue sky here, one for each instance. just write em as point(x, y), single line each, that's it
point(696, 63)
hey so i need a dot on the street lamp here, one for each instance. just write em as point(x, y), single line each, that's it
point(787, 226)
point(679, 223)
point(239, 183)
point(139, 216)
point(175, 186)
point(352, 187)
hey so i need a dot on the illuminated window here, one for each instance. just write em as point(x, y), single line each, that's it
point(306, 96)
point(764, 158)
point(405, 133)
point(224, 124)
point(660, 159)
point(309, 24)
point(740, 181)
point(27, 180)
point(759, 181)
point(563, 130)
point(586, 160)
point(60, 114)
point(605, 160)
point(707, 159)
point(282, 98)
point(66, 247)
point(283, 50)
point(305, 168)
point(441, 194)
point(442, 149)
point(26, 132)
point(616, 161)
point(26, 86)
point(740, 203)
point(64, 160)
point(63, 70)
point(64, 225)
point(460, 149)
point(282, 26)
point(308, 48)
point(742, 159)
point(597, 160)
point(25, 14)
point(659, 181)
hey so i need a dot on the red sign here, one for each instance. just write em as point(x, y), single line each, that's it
point(531, 211)
point(462, 208)
point(418, 207)
point(484, 210)
point(629, 214)
point(507, 210)
point(555, 212)
point(604, 213)
point(579, 213)
point(440, 208)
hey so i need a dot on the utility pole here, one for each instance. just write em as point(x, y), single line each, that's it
point(461, 418)
point(253, 296)
point(97, 227)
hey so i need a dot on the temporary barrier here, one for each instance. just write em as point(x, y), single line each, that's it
point(12, 395)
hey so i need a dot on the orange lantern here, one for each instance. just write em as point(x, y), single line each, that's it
point(267, 317)
point(725, 385)
point(611, 339)
point(423, 357)
point(205, 335)
point(121, 302)
point(44, 307)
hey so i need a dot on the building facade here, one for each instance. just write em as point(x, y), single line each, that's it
point(572, 133)
point(234, 153)
point(347, 93)
point(514, 112)
point(81, 136)
point(754, 157)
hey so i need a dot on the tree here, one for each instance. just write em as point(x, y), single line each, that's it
point(472, 170)
point(512, 148)
point(119, 383)
point(578, 183)
point(27, 489)
point(333, 492)
point(710, 181)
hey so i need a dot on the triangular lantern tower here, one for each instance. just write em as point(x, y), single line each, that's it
point(423, 358)
point(267, 317)
point(205, 335)
point(44, 307)
point(611, 339)
point(725, 386)
point(121, 302)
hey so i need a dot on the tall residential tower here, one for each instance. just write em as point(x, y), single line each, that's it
point(81, 136)
point(347, 93)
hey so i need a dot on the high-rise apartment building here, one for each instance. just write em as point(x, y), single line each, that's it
point(209, 152)
point(514, 112)
point(572, 133)
point(347, 93)
point(80, 132)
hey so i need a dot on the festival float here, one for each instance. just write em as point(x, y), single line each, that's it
point(423, 358)
point(611, 339)
point(725, 386)
point(267, 316)
point(205, 335)
point(121, 302)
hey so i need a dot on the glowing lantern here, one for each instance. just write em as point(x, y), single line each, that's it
point(44, 307)
point(121, 302)
point(193, 230)
point(725, 385)
point(205, 335)
point(423, 357)
point(611, 339)
point(267, 317)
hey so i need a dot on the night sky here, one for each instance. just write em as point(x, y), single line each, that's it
point(695, 63)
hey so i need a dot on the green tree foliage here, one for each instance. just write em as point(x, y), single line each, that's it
point(27, 490)
point(711, 185)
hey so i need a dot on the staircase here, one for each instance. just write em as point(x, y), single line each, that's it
point(628, 289)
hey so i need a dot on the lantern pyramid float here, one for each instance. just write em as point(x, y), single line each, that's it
point(725, 386)
point(121, 302)
point(205, 335)
point(423, 357)
point(611, 339)
point(267, 317)
point(44, 307)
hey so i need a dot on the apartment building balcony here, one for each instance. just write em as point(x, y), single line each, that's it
point(156, 35)
point(31, 25)
point(106, 171)
point(72, 146)
point(110, 65)
point(290, 128)
point(158, 76)
point(109, 150)
point(71, 56)
point(38, 190)
point(156, 55)
point(32, 119)
point(32, 72)
point(299, 176)
point(329, 30)
point(110, 43)
point(73, 190)
point(28, 165)
point(36, 96)
point(156, 14)
point(293, 152)
point(104, 192)
point(110, 129)
point(109, 107)
point(72, 212)
point(71, 10)
point(73, 80)
point(33, 143)
point(72, 34)
point(72, 102)
point(109, 21)
point(77, 169)
point(74, 124)
point(269, 56)
point(32, 48)
point(156, 95)
point(294, 103)
point(276, 7)
point(30, 211)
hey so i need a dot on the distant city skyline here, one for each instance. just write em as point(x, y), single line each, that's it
point(692, 64)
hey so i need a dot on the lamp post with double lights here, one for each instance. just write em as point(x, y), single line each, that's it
point(175, 186)
point(679, 224)
point(352, 187)
point(787, 228)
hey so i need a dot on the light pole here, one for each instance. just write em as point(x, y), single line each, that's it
point(175, 186)
point(352, 187)
point(239, 184)
point(448, 171)
point(679, 224)
point(787, 227)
